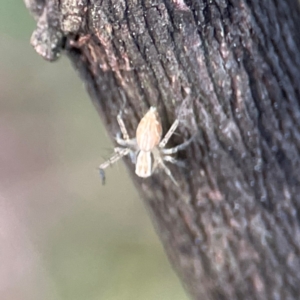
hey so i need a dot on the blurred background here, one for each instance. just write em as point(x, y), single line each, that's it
point(62, 234)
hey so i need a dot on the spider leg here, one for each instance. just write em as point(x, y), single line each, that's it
point(126, 143)
point(170, 132)
point(158, 161)
point(168, 172)
point(177, 148)
point(133, 155)
point(119, 153)
point(174, 161)
point(122, 127)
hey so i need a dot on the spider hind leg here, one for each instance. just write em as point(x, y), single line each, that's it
point(119, 153)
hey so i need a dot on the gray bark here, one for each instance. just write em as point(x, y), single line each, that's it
point(231, 229)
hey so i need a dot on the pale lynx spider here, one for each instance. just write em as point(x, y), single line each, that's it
point(147, 150)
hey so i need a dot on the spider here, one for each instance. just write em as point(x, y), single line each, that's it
point(147, 150)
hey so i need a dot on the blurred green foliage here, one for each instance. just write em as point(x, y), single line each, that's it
point(69, 237)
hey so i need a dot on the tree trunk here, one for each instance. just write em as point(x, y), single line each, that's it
point(229, 70)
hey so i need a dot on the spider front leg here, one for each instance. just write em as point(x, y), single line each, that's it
point(131, 143)
point(119, 153)
point(125, 141)
point(122, 127)
point(170, 132)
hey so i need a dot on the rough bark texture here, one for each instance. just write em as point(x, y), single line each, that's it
point(231, 230)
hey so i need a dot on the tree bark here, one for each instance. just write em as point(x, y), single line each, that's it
point(232, 68)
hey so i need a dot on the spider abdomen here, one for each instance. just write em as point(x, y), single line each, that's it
point(143, 167)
